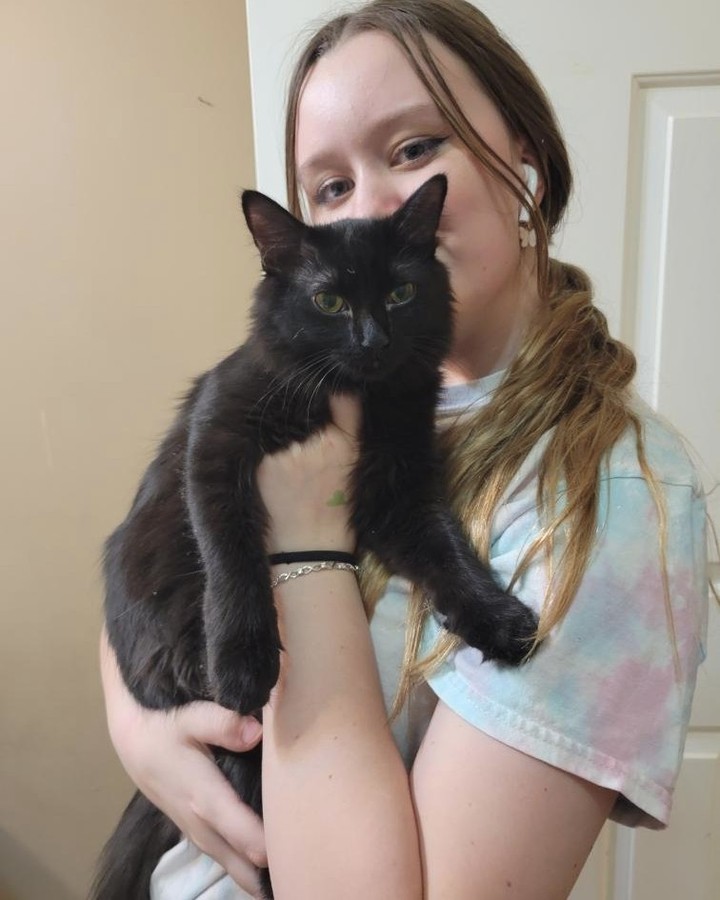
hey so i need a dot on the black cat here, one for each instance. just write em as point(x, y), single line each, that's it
point(360, 307)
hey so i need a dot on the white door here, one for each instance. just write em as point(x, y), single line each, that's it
point(636, 85)
point(671, 314)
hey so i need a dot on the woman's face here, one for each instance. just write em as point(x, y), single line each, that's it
point(369, 134)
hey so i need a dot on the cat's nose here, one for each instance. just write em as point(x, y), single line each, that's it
point(372, 335)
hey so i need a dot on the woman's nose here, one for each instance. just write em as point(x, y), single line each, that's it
point(375, 198)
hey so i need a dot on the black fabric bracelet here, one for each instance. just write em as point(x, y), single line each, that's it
point(303, 556)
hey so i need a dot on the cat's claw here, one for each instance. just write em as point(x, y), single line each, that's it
point(505, 633)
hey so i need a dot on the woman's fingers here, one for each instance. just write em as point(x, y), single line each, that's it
point(166, 755)
point(219, 808)
point(217, 804)
point(207, 810)
point(242, 871)
point(346, 414)
point(209, 723)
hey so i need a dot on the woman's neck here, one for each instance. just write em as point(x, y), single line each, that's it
point(488, 335)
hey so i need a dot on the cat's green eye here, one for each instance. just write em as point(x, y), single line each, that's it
point(402, 294)
point(329, 303)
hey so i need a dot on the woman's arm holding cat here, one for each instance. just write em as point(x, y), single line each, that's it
point(166, 755)
point(330, 766)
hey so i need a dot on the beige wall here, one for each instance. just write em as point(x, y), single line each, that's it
point(125, 269)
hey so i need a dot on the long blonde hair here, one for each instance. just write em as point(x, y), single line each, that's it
point(570, 377)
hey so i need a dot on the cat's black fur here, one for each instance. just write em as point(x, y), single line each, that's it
point(189, 608)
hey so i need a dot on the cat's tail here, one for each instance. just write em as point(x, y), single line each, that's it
point(129, 857)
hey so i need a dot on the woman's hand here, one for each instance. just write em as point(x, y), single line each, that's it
point(305, 487)
point(166, 755)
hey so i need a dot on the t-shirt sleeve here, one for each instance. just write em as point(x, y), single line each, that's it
point(605, 697)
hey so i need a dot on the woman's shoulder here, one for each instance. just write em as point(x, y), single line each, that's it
point(668, 453)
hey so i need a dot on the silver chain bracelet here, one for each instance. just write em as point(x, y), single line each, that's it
point(307, 570)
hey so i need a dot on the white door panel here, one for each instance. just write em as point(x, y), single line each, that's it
point(684, 861)
point(637, 89)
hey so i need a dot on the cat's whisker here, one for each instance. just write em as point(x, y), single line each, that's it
point(120, 615)
point(310, 373)
point(283, 378)
point(308, 390)
point(307, 369)
point(333, 368)
point(314, 377)
point(276, 383)
point(285, 381)
point(305, 377)
point(300, 379)
point(337, 382)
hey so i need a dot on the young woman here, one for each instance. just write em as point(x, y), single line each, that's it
point(493, 781)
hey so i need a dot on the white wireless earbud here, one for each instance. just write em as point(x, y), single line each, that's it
point(531, 183)
point(531, 178)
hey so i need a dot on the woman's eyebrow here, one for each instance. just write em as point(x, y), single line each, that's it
point(420, 115)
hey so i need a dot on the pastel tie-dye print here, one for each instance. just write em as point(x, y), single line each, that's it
point(605, 697)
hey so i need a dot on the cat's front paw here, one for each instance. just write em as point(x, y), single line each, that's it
point(503, 629)
point(242, 679)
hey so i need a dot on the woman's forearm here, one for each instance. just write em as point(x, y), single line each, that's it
point(339, 818)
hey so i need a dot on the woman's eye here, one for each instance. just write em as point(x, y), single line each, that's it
point(331, 190)
point(329, 303)
point(419, 149)
point(402, 294)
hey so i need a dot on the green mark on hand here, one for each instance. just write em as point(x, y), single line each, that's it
point(337, 499)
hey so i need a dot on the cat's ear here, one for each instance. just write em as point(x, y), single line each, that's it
point(276, 232)
point(418, 218)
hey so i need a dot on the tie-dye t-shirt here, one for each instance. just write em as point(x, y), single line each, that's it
point(605, 697)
